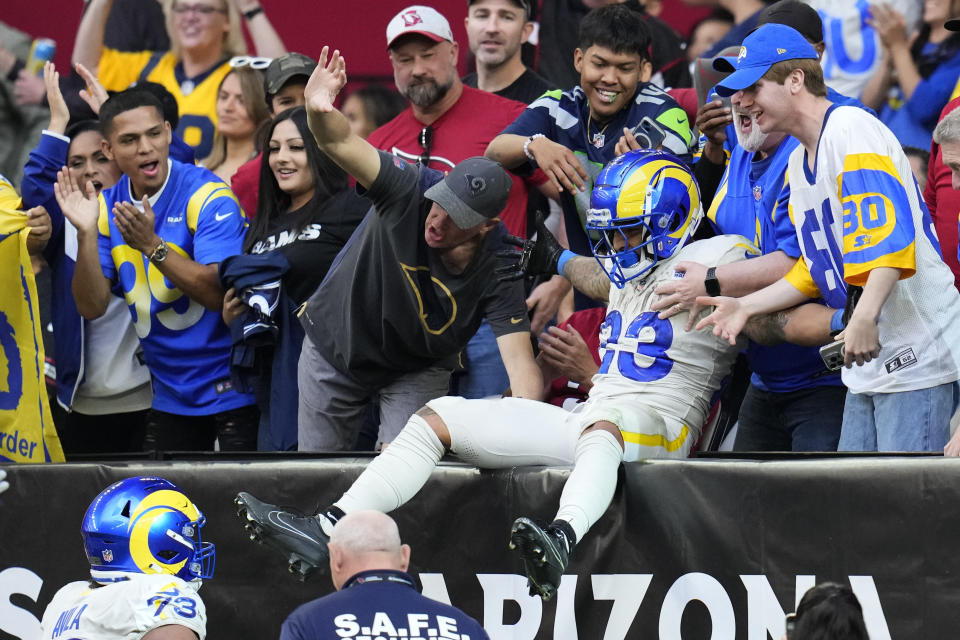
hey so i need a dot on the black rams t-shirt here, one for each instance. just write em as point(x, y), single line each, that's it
point(312, 251)
point(389, 306)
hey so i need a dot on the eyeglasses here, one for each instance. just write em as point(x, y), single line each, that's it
point(200, 9)
point(791, 624)
point(254, 62)
point(426, 144)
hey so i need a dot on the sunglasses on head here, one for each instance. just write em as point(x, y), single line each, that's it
point(254, 62)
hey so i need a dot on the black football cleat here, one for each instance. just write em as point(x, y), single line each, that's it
point(545, 555)
point(299, 538)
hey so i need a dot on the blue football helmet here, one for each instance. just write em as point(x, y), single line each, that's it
point(145, 525)
point(649, 200)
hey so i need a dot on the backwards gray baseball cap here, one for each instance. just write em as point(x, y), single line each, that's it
point(476, 190)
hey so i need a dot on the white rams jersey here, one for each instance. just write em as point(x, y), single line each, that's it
point(124, 610)
point(861, 209)
point(657, 362)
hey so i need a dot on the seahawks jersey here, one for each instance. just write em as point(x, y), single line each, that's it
point(196, 96)
point(564, 117)
point(860, 209)
point(657, 362)
point(125, 610)
point(187, 346)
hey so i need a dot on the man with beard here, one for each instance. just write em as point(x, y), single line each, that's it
point(793, 402)
point(446, 123)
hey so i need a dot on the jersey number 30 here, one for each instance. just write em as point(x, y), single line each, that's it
point(640, 352)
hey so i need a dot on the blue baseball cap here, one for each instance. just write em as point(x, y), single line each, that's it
point(764, 47)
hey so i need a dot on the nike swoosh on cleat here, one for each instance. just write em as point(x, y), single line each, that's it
point(275, 517)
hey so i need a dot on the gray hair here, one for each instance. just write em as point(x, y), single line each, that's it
point(366, 532)
point(948, 129)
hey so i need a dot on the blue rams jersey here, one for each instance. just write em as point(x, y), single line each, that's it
point(860, 209)
point(186, 346)
point(752, 201)
point(563, 116)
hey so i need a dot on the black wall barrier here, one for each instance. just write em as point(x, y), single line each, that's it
point(700, 549)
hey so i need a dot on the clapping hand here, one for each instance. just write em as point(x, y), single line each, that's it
point(80, 206)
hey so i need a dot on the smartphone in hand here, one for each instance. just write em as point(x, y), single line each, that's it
point(649, 133)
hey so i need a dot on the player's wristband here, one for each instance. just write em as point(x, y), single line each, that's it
point(836, 322)
point(564, 259)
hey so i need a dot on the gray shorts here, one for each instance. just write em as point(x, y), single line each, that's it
point(332, 403)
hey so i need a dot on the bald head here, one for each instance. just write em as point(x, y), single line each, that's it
point(366, 532)
point(364, 541)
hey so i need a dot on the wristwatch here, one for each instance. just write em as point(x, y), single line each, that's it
point(160, 253)
point(710, 283)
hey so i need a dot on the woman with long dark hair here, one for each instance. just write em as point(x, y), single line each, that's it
point(305, 214)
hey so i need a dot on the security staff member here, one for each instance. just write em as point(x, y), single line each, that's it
point(375, 597)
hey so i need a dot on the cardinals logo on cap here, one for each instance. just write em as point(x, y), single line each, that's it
point(742, 54)
point(411, 18)
point(475, 185)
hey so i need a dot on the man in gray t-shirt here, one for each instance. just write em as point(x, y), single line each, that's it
point(408, 290)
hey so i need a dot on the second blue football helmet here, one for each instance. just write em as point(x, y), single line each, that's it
point(648, 201)
point(145, 525)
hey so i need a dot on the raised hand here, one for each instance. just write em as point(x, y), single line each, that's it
point(325, 83)
point(59, 114)
point(536, 257)
point(80, 206)
point(28, 88)
point(712, 120)
point(94, 95)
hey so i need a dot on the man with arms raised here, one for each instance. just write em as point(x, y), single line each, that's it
point(408, 290)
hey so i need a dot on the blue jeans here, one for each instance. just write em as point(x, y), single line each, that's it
point(485, 375)
point(905, 421)
point(802, 420)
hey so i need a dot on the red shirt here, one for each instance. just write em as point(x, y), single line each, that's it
point(587, 323)
point(245, 184)
point(944, 202)
point(461, 132)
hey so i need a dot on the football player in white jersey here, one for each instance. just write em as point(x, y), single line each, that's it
point(650, 397)
point(142, 539)
point(860, 221)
